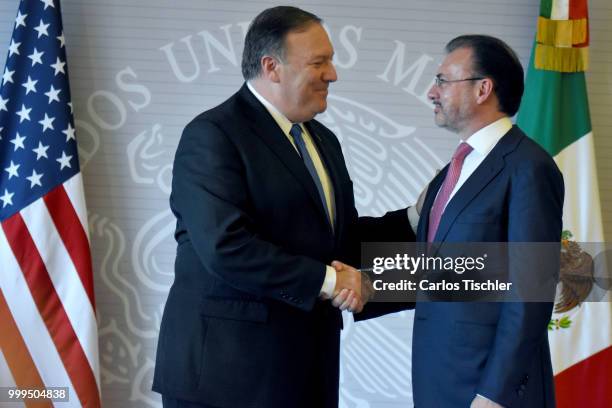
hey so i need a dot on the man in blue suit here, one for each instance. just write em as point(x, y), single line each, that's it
point(499, 187)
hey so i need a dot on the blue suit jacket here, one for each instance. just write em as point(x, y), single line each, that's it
point(498, 350)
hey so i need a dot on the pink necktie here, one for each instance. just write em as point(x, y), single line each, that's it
point(454, 170)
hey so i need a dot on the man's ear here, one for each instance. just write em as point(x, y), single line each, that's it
point(270, 67)
point(485, 90)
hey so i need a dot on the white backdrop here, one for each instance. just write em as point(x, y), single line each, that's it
point(141, 69)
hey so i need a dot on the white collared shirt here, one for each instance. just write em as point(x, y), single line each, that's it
point(285, 124)
point(482, 141)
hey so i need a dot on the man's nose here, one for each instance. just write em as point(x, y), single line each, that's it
point(433, 94)
point(330, 74)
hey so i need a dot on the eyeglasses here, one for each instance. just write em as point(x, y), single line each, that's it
point(440, 82)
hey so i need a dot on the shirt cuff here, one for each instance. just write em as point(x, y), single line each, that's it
point(329, 284)
point(413, 218)
point(488, 399)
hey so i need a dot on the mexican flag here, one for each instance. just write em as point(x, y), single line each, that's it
point(555, 112)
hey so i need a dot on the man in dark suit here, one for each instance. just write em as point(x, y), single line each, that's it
point(264, 204)
point(499, 187)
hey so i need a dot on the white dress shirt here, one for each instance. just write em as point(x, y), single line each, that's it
point(483, 141)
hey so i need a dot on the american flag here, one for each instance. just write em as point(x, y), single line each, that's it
point(48, 333)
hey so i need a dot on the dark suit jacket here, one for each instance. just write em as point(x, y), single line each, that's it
point(243, 325)
point(499, 350)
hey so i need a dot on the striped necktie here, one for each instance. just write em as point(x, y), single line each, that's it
point(296, 133)
point(452, 176)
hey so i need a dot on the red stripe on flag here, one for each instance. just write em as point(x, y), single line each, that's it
point(51, 310)
point(578, 9)
point(17, 356)
point(587, 383)
point(73, 236)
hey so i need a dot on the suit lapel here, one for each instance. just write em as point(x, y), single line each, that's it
point(432, 192)
point(491, 166)
point(265, 127)
point(488, 169)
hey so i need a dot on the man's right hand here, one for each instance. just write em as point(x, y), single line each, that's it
point(353, 289)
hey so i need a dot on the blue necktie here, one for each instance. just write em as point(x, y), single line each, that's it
point(296, 133)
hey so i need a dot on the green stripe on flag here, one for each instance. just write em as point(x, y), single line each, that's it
point(555, 109)
point(546, 8)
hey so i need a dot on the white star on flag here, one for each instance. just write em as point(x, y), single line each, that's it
point(62, 40)
point(12, 170)
point(18, 142)
point(24, 113)
point(41, 151)
point(64, 161)
point(58, 66)
point(34, 179)
point(30, 85)
point(69, 132)
point(42, 29)
point(7, 198)
point(36, 56)
point(7, 76)
point(3, 103)
point(47, 123)
point(14, 48)
point(48, 3)
point(20, 20)
point(53, 94)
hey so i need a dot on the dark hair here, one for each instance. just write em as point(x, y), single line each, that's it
point(266, 35)
point(494, 59)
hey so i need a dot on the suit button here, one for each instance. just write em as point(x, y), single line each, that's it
point(522, 387)
point(520, 392)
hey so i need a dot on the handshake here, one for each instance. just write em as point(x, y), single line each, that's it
point(353, 288)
